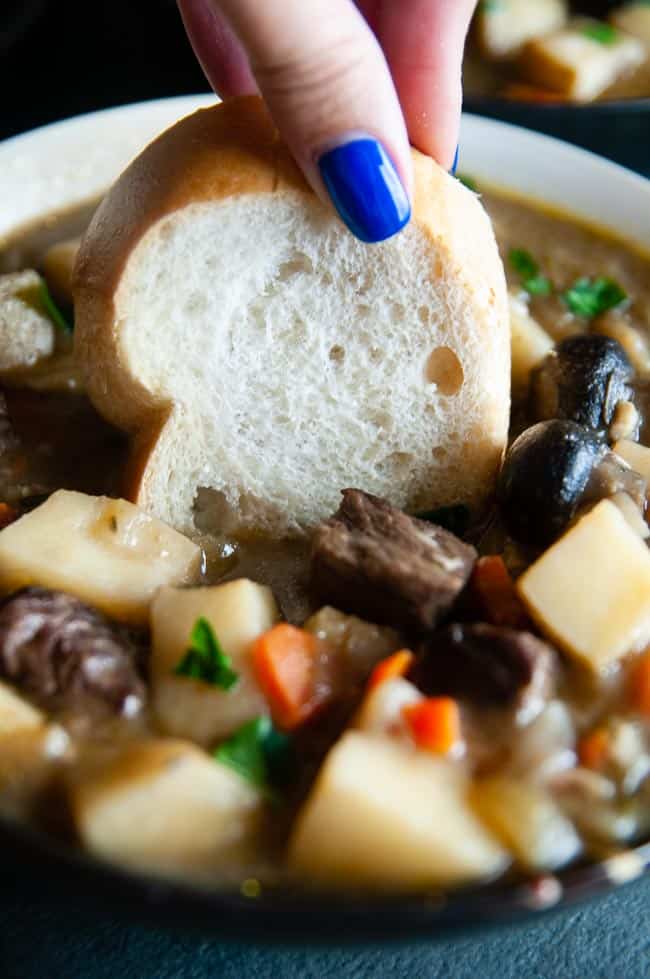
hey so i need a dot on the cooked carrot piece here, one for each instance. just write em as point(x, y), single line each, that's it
point(593, 748)
point(434, 724)
point(495, 593)
point(285, 664)
point(397, 664)
point(7, 515)
point(639, 684)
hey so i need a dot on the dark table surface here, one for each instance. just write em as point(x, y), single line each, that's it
point(61, 59)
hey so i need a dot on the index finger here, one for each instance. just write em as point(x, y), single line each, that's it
point(423, 41)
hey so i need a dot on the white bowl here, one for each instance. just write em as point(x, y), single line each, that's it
point(71, 162)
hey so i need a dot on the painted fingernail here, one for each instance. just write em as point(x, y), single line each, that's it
point(454, 165)
point(365, 189)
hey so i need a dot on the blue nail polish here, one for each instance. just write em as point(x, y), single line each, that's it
point(454, 165)
point(365, 189)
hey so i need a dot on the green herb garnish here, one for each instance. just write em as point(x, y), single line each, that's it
point(489, 6)
point(454, 518)
point(538, 285)
point(205, 660)
point(39, 298)
point(601, 33)
point(591, 297)
point(52, 310)
point(259, 753)
point(469, 182)
point(528, 271)
point(523, 263)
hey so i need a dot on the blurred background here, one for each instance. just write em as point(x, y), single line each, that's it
point(62, 59)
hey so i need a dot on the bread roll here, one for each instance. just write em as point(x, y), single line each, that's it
point(252, 347)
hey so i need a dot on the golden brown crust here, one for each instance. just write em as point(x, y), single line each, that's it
point(228, 149)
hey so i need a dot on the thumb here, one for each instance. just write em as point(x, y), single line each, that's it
point(326, 83)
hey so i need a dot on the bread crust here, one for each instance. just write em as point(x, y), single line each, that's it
point(224, 151)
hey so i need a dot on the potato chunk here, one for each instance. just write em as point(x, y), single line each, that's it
point(165, 806)
point(529, 344)
point(32, 761)
point(501, 28)
point(576, 63)
point(26, 332)
point(238, 611)
point(384, 815)
point(637, 456)
point(58, 263)
point(590, 591)
point(107, 552)
point(381, 709)
point(16, 713)
point(527, 821)
point(358, 645)
point(634, 18)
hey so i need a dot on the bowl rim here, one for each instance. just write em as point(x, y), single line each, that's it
point(291, 915)
point(46, 161)
point(495, 103)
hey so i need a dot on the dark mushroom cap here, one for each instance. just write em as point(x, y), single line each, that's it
point(544, 475)
point(582, 380)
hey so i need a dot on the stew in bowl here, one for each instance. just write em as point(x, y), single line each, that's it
point(398, 704)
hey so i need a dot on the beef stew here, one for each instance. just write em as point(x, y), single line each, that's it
point(399, 703)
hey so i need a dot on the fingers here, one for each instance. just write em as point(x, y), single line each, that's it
point(423, 41)
point(215, 44)
point(327, 85)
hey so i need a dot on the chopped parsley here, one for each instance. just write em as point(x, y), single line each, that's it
point(39, 298)
point(259, 753)
point(468, 181)
point(205, 660)
point(591, 297)
point(453, 518)
point(528, 271)
point(489, 6)
point(601, 33)
point(52, 310)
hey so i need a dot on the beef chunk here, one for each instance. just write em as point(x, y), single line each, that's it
point(488, 664)
point(7, 435)
point(373, 560)
point(65, 654)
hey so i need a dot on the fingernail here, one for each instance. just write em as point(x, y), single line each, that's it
point(454, 165)
point(365, 189)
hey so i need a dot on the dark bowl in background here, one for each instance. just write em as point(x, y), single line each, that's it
point(617, 130)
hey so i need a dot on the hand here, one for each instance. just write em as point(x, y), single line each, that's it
point(348, 85)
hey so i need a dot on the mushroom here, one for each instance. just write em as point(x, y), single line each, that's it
point(544, 476)
point(550, 471)
point(582, 381)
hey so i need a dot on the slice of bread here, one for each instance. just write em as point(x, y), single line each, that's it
point(259, 353)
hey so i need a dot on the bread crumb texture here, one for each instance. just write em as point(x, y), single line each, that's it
point(295, 361)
